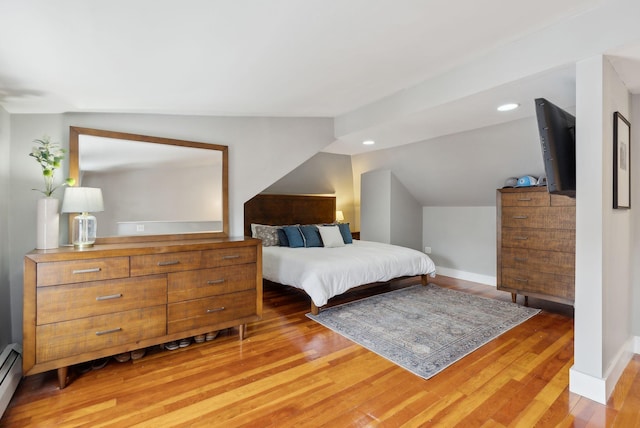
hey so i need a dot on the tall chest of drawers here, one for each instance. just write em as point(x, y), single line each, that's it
point(536, 244)
point(114, 298)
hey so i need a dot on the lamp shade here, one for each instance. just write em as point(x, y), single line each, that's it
point(82, 200)
point(339, 216)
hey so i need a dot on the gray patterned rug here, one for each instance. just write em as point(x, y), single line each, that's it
point(423, 329)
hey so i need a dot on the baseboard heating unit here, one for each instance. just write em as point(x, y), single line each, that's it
point(10, 373)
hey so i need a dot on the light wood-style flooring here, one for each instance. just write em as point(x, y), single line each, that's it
point(291, 371)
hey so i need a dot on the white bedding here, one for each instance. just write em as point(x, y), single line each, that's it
point(326, 272)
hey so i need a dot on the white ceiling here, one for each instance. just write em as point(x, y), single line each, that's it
point(397, 71)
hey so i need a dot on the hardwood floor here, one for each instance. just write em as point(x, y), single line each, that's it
point(291, 371)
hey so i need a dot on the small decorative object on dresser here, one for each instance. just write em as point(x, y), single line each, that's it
point(113, 298)
point(536, 237)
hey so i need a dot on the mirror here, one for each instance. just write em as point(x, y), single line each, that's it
point(154, 188)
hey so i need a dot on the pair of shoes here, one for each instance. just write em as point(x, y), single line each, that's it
point(122, 358)
point(84, 367)
point(185, 342)
point(138, 353)
point(171, 346)
point(199, 338)
point(211, 335)
point(99, 363)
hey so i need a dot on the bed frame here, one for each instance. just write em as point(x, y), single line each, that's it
point(294, 209)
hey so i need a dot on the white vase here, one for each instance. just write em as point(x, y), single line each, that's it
point(48, 224)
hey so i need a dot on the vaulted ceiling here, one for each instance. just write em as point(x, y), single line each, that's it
point(396, 71)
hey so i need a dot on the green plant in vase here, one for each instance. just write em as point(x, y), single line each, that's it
point(49, 155)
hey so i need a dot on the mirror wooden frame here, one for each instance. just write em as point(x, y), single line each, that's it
point(74, 172)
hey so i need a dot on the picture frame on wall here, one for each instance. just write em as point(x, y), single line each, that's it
point(621, 162)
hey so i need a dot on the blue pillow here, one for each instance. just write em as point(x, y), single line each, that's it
point(282, 237)
point(311, 236)
point(294, 236)
point(345, 232)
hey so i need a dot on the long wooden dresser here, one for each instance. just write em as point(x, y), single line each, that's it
point(536, 244)
point(80, 305)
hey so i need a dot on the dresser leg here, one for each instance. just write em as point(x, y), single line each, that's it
point(242, 328)
point(513, 297)
point(62, 376)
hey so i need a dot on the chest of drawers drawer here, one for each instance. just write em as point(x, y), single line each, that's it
point(74, 337)
point(539, 239)
point(210, 282)
point(526, 199)
point(72, 301)
point(228, 256)
point(185, 315)
point(163, 263)
point(70, 272)
point(539, 218)
point(539, 261)
point(539, 282)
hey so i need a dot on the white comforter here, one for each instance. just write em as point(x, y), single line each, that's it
point(326, 272)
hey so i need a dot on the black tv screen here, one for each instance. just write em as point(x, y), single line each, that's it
point(557, 130)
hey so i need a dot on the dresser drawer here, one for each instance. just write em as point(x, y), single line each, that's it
point(539, 239)
point(228, 256)
point(72, 301)
point(525, 199)
point(68, 338)
point(211, 282)
point(538, 282)
point(54, 273)
point(163, 263)
point(541, 218)
point(540, 261)
point(183, 316)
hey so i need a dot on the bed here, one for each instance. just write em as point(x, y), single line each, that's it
point(325, 272)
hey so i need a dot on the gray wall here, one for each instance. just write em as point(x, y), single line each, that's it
point(462, 241)
point(261, 150)
point(5, 290)
point(324, 173)
point(635, 215)
point(389, 213)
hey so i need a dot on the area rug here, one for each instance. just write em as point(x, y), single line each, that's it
point(423, 328)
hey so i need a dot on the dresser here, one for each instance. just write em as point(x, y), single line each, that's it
point(80, 305)
point(536, 236)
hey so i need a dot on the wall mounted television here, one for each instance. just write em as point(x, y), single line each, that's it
point(557, 130)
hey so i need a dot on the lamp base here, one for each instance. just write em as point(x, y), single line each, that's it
point(84, 231)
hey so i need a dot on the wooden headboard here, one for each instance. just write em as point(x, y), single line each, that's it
point(288, 209)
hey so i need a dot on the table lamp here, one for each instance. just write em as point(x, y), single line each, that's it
point(83, 200)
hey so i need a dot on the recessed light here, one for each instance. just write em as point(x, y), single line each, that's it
point(368, 142)
point(508, 107)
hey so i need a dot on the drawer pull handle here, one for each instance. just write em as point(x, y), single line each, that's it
point(221, 308)
point(92, 270)
point(521, 280)
point(109, 297)
point(520, 217)
point(520, 259)
point(524, 199)
point(215, 281)
point(230, 257)
point(520, 238)
point(169, 263)
point(103, 332)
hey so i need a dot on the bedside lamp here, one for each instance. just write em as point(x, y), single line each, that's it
point(339, 216)
point(83, 200)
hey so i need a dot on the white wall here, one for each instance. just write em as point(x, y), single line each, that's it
point(603, 301)
point(261, 150)
point(462, 241)
point(635, 217)
point(5, 295)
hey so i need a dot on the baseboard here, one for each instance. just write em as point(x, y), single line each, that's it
point(600, 389)
point(467, 276)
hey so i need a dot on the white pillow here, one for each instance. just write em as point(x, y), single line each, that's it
point(331, 236)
